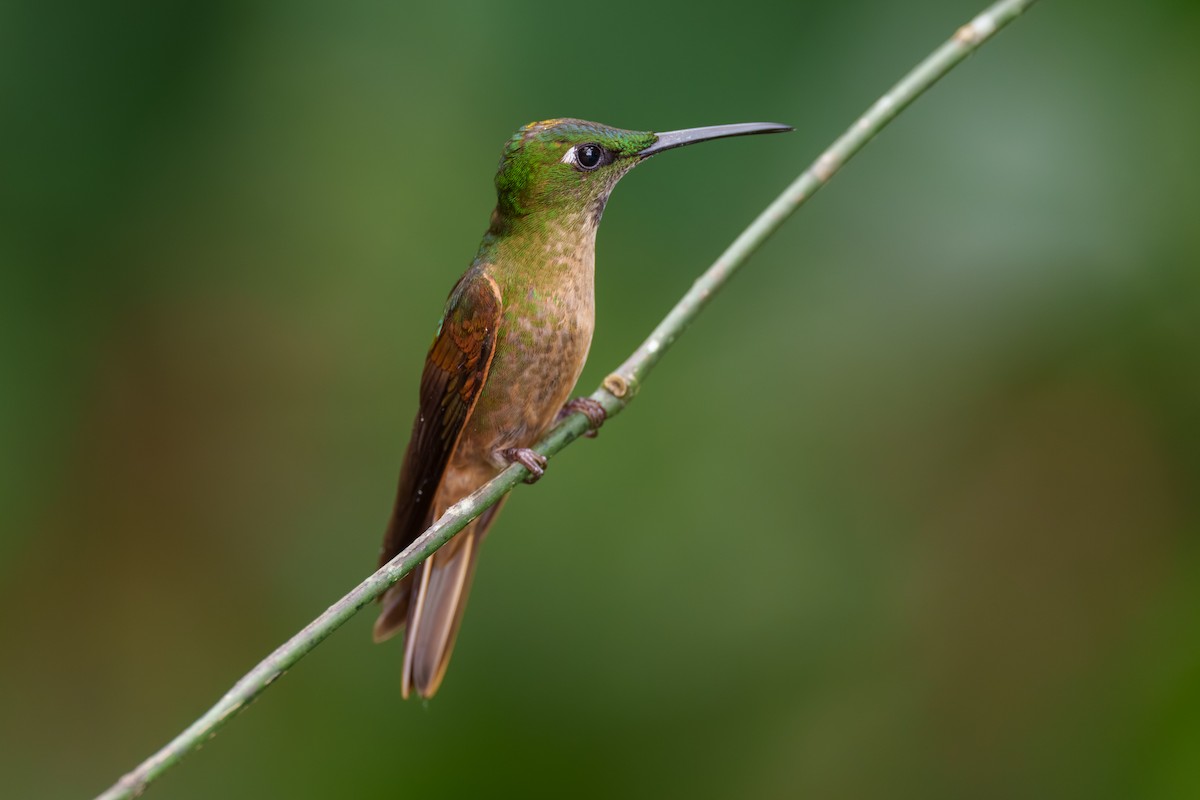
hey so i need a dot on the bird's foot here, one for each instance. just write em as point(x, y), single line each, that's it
point(534, 462)
point(590, 409)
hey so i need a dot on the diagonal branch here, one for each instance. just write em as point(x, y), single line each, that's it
point(614, 395)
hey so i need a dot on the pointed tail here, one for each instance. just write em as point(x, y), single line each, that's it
point(430, 601)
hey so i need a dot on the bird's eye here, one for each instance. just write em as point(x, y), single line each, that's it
point(589, 156)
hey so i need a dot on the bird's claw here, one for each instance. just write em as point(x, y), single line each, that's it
point(590, 408)
point(534, 462)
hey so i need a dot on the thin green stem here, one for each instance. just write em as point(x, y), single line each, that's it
point(617, 391)
point(965, 40)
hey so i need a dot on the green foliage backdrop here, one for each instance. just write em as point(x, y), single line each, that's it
point(912, 511)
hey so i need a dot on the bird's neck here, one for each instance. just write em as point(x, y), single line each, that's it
point(543, 250)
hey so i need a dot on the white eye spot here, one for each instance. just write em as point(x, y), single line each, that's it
point(569, 156)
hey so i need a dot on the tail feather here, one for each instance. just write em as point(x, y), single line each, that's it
point(431, 601)
point(440, 598)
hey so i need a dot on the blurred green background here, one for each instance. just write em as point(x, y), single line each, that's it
point(911, 511)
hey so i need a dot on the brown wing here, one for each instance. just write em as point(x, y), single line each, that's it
point(455, 372)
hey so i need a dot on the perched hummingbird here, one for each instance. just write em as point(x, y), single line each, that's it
point(509, 347)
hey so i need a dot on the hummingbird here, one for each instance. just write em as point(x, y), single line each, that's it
point(510, 345)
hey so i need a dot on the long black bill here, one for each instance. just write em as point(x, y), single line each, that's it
point(671, 139)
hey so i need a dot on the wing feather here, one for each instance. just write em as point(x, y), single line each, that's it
point(456, 371)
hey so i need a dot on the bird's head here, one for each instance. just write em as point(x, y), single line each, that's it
point(570, 166)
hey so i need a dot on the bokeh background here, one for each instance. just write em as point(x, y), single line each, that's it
point(911, 511)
